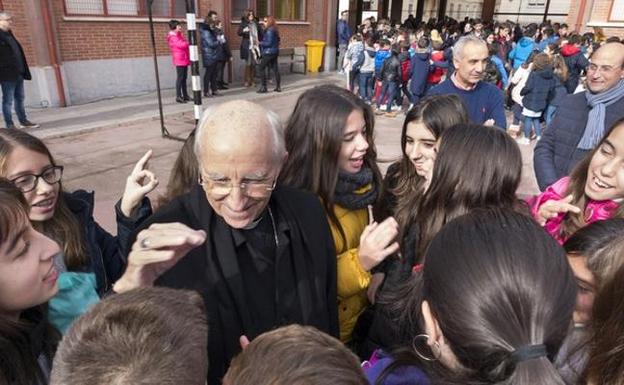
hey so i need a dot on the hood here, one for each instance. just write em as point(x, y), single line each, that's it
point(546, 73)
point(424, 56)
point(525, 42)
point(171, 35)
point(570, 50)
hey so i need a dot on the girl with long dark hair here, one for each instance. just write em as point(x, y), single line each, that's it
point(93, 258)
point(491, 305)
point(250, 35)
point(28, 279)
point(329, 139)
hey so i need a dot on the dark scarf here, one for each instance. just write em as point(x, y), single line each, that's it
point(348, 183)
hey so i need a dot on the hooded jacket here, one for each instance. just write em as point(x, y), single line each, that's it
point(576, 62)
point(539, 89)
point(391, 69)
point(521, 52)
point(420, 72)
point(179, 48)
point(381, 55)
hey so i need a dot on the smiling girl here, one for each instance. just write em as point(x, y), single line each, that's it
point(594, 191)
point(329, 139)
point(93, 258)
point(28, 279)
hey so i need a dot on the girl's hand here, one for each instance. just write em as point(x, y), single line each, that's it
point(155, 251)
point(377, 242)
point(140, 182)
point(551, 209)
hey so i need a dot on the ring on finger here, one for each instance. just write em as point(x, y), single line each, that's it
point(144, 243)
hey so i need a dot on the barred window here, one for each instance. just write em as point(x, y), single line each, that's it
point(137, 8)
point(280, 9)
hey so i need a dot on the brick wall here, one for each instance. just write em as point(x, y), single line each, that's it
point(598, 13)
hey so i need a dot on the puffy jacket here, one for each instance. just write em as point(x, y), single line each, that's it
point(539, 89)
point(368, 66)
point(597, 210)
point(223, 50)
point(521, 52)
point(353, 54)
point(391, 69)
point(270, 42)
point(209, 45)
point(556, 153)
point(352, 279)
point(381, 55)
point(420, 73)
point(12, 59)
point(179, 48)
point(576, 62)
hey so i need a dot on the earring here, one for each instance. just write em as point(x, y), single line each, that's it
point(424, 356)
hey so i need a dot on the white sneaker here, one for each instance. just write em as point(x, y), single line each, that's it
point(382, 107)
point(539, 137)
point(395, 108)
point(524, 140)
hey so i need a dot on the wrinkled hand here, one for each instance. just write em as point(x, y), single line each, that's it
point(139, 183)
point(155, 251)
point(377, 242)
point(374, 285)
point(550, 209)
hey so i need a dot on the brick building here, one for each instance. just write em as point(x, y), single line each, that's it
point(607, 15)
point(85, 50)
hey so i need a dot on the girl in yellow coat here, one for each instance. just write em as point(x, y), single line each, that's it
point(329, 139)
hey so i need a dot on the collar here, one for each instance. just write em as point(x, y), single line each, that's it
point(280, 223)
point(458, 85)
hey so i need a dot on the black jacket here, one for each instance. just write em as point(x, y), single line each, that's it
point(539, 89)
point(391, 69)
point(12, 59)
point(210, 46)
point(556, 154)
point(107, 253)
point(244, 45)
point(213, 270)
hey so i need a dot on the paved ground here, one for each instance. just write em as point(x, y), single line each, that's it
point(99, 142)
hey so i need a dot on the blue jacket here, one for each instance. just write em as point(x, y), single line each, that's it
point(343, 32)
point(500, 67)
point(556, 154)
point(541, 46)
point(209, 45)
point(270, 42)
point(521, 51)
point(403, 375)
point(107, 253)
point(381, 55)
point(420, 72)
point(484, 102)
point(539, 89)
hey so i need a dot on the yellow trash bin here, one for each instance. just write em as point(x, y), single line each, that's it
point(314, 54)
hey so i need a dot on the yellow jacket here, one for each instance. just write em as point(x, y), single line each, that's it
point(353, 280)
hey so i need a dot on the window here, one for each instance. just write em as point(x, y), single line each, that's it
point(160, 8)
point(617, 11)
point(280, 9)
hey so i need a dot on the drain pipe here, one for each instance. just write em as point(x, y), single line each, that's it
point(47, 23)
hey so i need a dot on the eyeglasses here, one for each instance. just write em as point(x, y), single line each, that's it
point(220, 189)
point(604, 69)
point(28, 182)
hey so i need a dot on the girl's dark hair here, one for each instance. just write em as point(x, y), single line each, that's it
point(477, 166)
point(572, 222)
point(314, 136)
point(437, 113)
point(495, 282)
point(173, 24)
point(185, 172)
point(602, 243)
point(606, 349)
point(63, 227)
point(21, 339)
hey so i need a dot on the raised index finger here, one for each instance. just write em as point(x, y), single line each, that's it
point(140, 165)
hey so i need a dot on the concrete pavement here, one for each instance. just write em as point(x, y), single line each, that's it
point(98, 143)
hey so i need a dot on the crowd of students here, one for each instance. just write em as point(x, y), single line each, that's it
point(437, 272)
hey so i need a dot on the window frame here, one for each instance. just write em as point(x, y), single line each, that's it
point(141, 14)
point(253, 5)
point(611, 17)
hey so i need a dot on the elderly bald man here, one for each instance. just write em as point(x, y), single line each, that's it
point(261, 255)
point(583, 118)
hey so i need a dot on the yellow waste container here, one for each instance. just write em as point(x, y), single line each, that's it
point(314, 54)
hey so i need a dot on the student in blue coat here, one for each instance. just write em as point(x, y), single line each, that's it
point(93, 259)
point(524, 47)
point(270, 51)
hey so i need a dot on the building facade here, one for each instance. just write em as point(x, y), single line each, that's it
point(606, 16)
point(85, 50)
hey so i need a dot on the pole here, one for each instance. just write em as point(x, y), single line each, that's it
point(191, 26)
point(163, 129)
point(546, 9)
